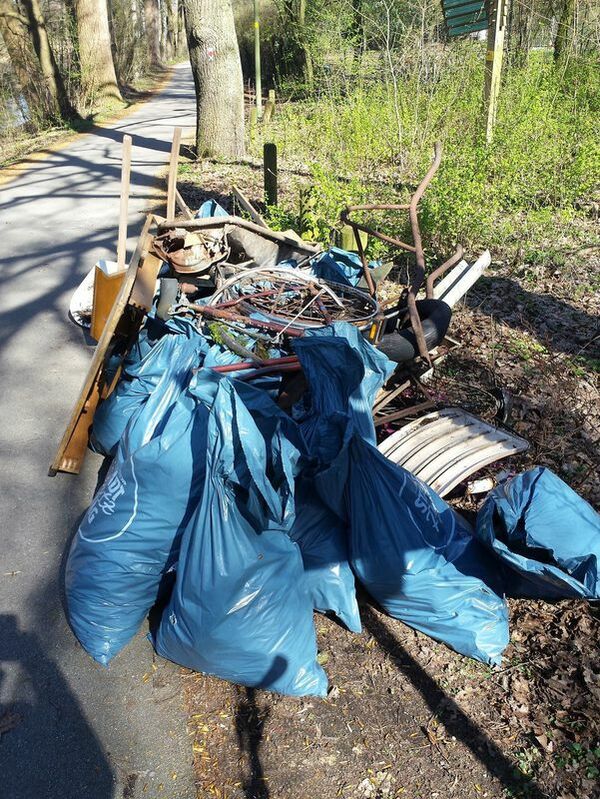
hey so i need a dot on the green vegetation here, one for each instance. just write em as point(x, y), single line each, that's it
point(370, 140)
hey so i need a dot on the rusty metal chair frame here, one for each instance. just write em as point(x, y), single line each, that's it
point(416, 248)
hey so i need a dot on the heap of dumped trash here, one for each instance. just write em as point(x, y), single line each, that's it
point(246, 488)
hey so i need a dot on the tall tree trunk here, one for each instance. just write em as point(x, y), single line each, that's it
point(215, 59)
point(41, 45)
point(565, 32)
point(14, 28)
point(172, 28)
point(304, 45)
point(97, 66)
point(152, 19)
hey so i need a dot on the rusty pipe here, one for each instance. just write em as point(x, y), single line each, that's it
point(243, 365)
point(345, 218)
point(416, 247)
point(452, 261)
point(419, 275)
point(227, 316)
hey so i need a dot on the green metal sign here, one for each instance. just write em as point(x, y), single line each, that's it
point(465, 16)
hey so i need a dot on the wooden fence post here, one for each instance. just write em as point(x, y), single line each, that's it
point(270, 172)
point(493, 62)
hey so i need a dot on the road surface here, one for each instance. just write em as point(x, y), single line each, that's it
point(73, 730)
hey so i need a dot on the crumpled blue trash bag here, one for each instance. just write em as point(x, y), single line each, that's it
point(240, 609)
point(323, 540)
point(344, 373)
point(340, 266)
point(409, 549)
point(414, 554)
point(546, 537)
point(158, 345)
point(129, 538)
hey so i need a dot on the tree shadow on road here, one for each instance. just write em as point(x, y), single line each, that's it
point(454, 719)
point(40, 757)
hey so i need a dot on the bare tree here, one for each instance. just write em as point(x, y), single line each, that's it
point(26, 67)
point(152, 20)
point(24, 32)
point(215, 59)
point(98, 70)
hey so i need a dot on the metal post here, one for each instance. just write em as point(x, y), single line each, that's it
point(270, 170)
point(257, 74)
point(493, 62)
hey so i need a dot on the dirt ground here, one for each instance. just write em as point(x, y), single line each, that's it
point(405, 716)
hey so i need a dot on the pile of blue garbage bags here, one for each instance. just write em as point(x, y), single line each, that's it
point(239, 519)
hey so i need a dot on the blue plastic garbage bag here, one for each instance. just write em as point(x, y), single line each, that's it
point(344, 373)
point(323, 540)
point(240, 609)
point(158, 344)
point(340, 266)
point(414, 554)
point(129, 538)
point(210, 208)
point(546, 537)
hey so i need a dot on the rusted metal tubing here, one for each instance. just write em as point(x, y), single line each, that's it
point(221, 221)
point(231, 303)
point(419, 275)
point(345, 218)
point(243, 365)
point(291, 367)
point(227, 316)
point(452, 261)
point(397, 415)
point(416, 247)
point(378, 207)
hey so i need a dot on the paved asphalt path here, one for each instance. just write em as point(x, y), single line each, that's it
point(78, 731)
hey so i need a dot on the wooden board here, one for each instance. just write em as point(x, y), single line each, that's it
point(71, 450)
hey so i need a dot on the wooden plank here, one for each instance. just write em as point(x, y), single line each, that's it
point(71, 450)
point(182, 205)
point(144, 287)
point(125, 178)
point(172, 177)
point(221, 221)
point(248, 207)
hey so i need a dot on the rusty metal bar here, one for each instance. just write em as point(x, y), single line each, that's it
point(243, 365)
point(416, 247)
point(397, 415)
point(356, 226)
point(217, 313)
point(452, 261)
point(419, 254)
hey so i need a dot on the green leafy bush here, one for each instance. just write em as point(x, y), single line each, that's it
point(375, 142)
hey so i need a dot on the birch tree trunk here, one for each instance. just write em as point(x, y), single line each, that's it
point(97, 67)
point(215, 59)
